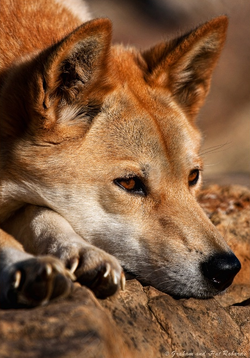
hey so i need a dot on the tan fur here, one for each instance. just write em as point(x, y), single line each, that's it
point(81, 121)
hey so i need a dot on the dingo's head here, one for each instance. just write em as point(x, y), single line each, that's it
point(109, 141)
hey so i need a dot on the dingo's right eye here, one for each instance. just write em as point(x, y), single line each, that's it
point(133, 185)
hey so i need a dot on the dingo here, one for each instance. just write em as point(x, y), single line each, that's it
point(100, 158)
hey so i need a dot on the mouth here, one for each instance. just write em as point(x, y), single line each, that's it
point(216, 275)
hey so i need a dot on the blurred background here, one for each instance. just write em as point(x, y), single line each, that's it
point(225, 118)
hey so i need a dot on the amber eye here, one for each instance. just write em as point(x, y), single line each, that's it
point(133, 185)
point(193, 177)
point(128, 184)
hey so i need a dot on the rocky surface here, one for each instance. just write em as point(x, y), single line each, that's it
point(142, 322)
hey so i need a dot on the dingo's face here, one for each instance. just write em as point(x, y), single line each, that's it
point(117, 154)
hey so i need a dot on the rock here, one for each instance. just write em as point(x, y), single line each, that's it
point(142, 322)
point(75, 327)
point(229, 209)
point(198, 326)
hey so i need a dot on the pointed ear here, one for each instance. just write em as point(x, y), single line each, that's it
point(184, 65)
point(71, 68)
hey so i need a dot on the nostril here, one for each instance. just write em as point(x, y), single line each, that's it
point(221, 269)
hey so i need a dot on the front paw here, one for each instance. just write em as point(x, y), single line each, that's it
point(97, 270)
point(34, 282)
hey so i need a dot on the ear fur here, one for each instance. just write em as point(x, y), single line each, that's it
point(60, 90)
point(70, 70)
point(184, 65)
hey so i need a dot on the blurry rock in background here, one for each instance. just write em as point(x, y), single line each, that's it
point(225, 117)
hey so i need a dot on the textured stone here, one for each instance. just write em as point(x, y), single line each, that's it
point(229, 209)
point(75, 327)
point(142, 322)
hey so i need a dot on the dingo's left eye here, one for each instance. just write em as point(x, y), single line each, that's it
point(133, 185)
point(193, 177)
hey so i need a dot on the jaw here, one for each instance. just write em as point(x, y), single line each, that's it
point(197, 275)
point(175, 282)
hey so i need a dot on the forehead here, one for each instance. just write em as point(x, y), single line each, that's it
point(144, 122)
point(156, 127)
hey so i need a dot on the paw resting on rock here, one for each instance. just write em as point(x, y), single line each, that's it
point(38, 280)
point(97, 270)
point(34, 282)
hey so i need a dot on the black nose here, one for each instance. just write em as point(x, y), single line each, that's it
point(221, 269)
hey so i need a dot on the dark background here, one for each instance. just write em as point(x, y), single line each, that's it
point(225, 118)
